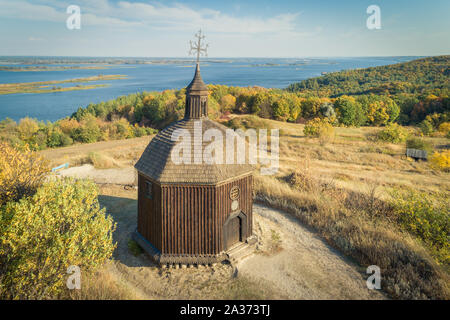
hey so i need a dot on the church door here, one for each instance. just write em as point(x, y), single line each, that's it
point(233, 231)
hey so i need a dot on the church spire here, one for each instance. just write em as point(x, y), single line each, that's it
point(196, 91)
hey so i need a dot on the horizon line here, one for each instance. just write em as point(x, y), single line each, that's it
point(221, 57)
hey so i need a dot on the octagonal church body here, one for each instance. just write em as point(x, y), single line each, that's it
point(192, 213)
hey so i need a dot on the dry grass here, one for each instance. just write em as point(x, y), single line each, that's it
point(242, 288)
point(123, 152)
point(103, 286)
point(360, 226)
point(340, 189)
point(102, 161)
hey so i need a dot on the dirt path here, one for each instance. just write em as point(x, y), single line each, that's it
point(290, 261)
point(305, 267)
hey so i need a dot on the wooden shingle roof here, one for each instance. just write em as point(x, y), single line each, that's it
point(156, 161)
point(197, 83)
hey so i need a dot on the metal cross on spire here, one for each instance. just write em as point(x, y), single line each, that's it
point(198, 47)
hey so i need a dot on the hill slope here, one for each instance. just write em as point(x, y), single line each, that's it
point(417, 76)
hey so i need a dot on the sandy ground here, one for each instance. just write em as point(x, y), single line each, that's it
point(305, 266)
point(289, 262)
point(120, 176)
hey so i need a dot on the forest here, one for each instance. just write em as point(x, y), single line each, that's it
point(411, 93)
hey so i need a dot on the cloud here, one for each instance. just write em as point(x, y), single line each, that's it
point(181, 17)
point(27, 11)
point(36, 39)
point(177, 17)
point(93, 20)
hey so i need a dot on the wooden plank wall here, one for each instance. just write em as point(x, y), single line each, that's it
point(188, 219)
point(192, 216)
point(224, 205)
point(149, 213)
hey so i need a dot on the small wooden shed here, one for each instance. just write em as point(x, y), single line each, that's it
point(192, 213)
point(416, 154)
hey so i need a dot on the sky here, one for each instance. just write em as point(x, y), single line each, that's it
point(262, 28)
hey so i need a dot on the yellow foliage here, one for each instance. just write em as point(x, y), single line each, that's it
point(441, 160)
point(444, 128)
point(319, 128)
point(41, 236)
point(228, 102)
point(431, 97)
point(21, 172)
point(393, 133)
point(377, 113)
point(148, 99)
point(27, 128)
point(68, 125)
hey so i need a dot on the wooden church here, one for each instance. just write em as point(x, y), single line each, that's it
point(193, 213)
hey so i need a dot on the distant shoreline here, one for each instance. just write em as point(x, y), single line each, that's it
point(44, 86)
point(47, 68)
point(155, 74)
point(114, 61)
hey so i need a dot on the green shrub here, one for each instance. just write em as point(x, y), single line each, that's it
point(426, 216)
point(41, 236)
point(38, 141)
point(426, 127)
point(139, 131)
point(66, 140)
point(420, 144)
point(123, 129)
point(55, 138)
point(88, 132)
point(393, 133)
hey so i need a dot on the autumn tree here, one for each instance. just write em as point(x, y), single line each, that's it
point(227, 103)
point(27, 128)
point(281, 110)
point(349, 111)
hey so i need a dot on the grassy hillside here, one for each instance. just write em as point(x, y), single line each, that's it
point(354, 191)
point(342, 189)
